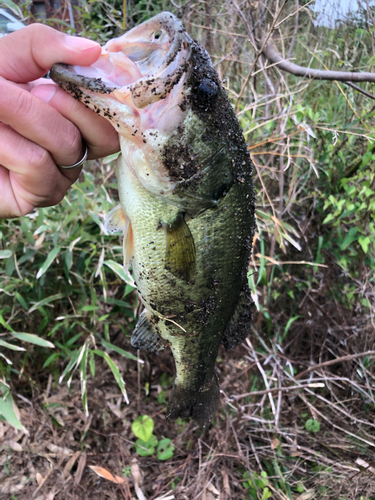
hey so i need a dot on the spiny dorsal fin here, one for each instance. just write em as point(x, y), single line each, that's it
point(180, 252)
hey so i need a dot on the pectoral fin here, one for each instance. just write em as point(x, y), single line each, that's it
point(180, 252)
point(128, 245)
point(116, 221)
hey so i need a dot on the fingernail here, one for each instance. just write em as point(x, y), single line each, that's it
point(77, 43)
point(44, 92)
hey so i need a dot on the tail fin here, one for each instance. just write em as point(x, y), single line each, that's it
point(201, 405)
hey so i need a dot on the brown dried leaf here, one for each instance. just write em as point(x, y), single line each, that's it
point(307, 495)
point(275, 443)
point(39, 478)
point(69, 464)
point(80, 468)
point(136, 473)
point(100, 471)
point(59, 450)
point(14, 446)
point(115, 410)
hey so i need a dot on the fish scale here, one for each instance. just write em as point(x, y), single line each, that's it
point(186, 200)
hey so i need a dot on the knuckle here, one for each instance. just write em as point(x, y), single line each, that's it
point(21, 104)
point(38, 158)
point(74, 141)
point(58, 196)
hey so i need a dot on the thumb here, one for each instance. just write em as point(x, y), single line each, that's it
point(30, 52)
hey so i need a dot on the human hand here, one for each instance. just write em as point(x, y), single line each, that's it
point(41, 126)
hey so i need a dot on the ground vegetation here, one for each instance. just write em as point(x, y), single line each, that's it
point(82, 414)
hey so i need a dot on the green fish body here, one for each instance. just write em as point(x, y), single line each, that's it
point(186, 199)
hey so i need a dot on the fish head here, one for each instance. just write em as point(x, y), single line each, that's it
point(160, 91)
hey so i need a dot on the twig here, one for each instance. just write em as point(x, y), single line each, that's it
point(315, 74)
point(278, 389)
point(280, 263)
point(335, 361)
point(258, 54)
point(312, 407)
point(358, 89)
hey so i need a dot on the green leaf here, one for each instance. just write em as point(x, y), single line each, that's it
point(165, 449)
point(45, 301)
point(121, 351)
point(5, 324)
point(350, 237)
point(32, 339)
point(21, 300)
point(146, 448)
point(266, 494)
point(83, 373)
point(115, 371)
point(118, 269)
point(5, 254)
point(50, 359)
point(329, 218)
point(92, 364)
point(7, 411)
point(288, 325)
point(364, 242)
point(312, 425)
point(12, 6)
point(11, 346)
point(143, 427)
point(50, 258)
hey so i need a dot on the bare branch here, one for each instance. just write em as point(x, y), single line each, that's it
point(343, 76)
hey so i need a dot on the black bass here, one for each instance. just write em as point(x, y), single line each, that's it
point(186, 199)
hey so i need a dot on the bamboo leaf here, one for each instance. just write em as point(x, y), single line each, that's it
point(115, 371)
point(45, 301)
point(11, 346)
point(50, 258)
point(5, 254)
point(7, 411)
point(32, 339)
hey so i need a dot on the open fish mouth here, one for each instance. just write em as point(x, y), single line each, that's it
point(137, 69)
point(139, 85)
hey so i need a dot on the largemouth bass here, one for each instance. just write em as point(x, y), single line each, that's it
point(186, 199)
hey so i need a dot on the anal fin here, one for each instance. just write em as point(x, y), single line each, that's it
point(180, 251)
point(145, 335)
point(238, 327)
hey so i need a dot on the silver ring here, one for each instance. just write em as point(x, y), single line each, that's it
point(80, 162)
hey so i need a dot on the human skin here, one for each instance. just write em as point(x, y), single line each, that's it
point(41, 126)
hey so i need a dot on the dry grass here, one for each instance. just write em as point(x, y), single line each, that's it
point(250, 432)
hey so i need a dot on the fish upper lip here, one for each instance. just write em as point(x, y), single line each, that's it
point(149, 87)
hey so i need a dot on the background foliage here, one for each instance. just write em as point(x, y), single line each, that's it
point(312, 278)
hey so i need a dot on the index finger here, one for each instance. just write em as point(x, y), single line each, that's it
point(27, 54)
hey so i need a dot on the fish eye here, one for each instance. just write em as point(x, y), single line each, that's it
point(207, 89)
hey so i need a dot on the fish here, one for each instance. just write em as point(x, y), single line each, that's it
point(186, 199)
